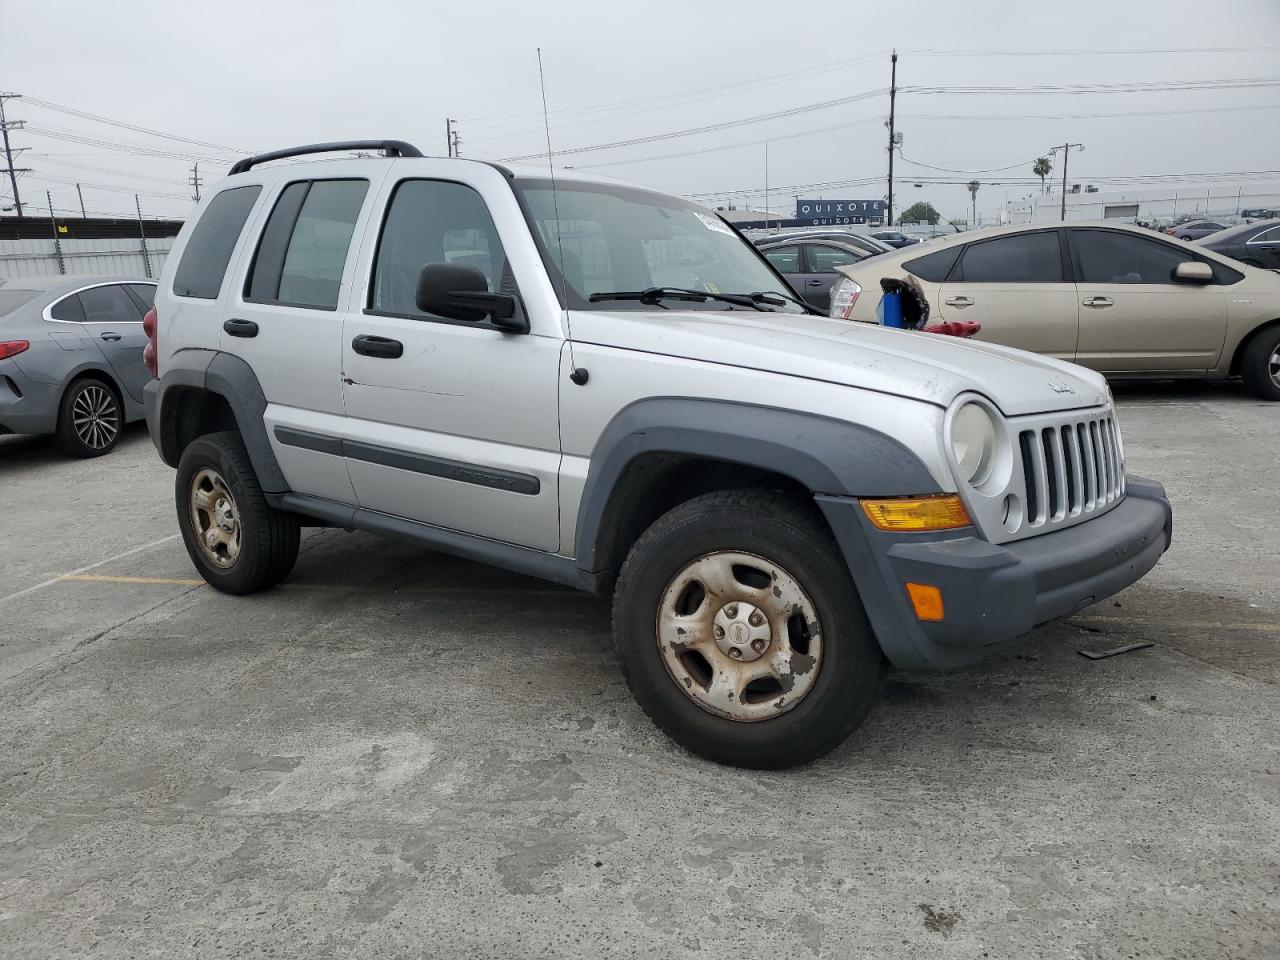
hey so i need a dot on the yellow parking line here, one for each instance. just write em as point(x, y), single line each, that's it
point(95, 578)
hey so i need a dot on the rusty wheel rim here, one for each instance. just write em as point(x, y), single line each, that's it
point(739, 636)
point(215, 518)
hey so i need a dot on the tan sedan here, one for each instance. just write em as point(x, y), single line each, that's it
point(1119, 299)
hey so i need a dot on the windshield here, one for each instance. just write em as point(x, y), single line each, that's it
point(618, 239)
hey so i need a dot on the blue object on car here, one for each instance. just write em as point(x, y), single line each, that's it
point(889, 310)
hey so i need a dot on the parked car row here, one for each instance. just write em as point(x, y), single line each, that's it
point(1257, 243)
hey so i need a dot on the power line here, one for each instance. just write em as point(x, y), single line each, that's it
point(98, 118)
point(1086, 116)
point(137, 149)
point(1012, 166)
point(48, 158)
point(709, 128)
point(1146, 86)
point(1005, 52)
point(731, 146)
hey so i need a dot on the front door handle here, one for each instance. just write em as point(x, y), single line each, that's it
point(110, 337)
point(240, 328)
point(370, 346)
point(958, 302)
point(1098, 303)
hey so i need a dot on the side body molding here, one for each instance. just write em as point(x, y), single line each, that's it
point(232, 379)
point(826, 455)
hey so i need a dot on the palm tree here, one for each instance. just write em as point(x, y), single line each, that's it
point(1042, 168)
point(973, 193)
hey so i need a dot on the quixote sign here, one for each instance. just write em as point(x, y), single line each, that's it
point(839, 211)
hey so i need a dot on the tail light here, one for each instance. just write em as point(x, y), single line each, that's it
point(843, 296)
point(151, 352)
point(11, 348)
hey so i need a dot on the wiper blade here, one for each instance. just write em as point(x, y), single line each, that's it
point(777, 298)
point(656, 294)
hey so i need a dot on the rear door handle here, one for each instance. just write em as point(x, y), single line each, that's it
point(958, 302)
point(110, 337)
point(370, 346)
point(814, 283)
point(1098, 303)
point(240, 328)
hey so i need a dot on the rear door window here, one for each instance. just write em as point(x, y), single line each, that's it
point(784, 259)
point(824, 258)
point(303, 249)
point(109, 304)
point(204, 261)
point(1019, 258)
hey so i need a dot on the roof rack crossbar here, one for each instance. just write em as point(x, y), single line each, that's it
point(392, 148)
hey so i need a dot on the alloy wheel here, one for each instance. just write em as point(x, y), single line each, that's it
point(95, 415)
point(739, 636)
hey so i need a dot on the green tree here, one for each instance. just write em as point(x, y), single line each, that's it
point(1042, 168)
point(973, 194)
point(920, 212)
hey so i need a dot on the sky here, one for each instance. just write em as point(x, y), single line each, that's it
point(238, 76)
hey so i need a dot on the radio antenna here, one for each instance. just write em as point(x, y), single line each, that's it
point(579, 374)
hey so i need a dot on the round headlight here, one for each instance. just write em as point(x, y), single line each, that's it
point(973, 442)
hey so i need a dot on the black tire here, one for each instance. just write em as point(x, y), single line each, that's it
point(268, 538)
point(1260, 363)
point(775, 527)
point(90, 419)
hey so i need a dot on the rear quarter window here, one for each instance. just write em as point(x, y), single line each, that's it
point(204, 261)
point(935, 266)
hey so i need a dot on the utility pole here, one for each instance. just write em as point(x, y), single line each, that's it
point(5, 126)
point(79, 194)
point(457, 141)
point(893, 94)
point(1066, 150)
point(57, 243)
point(766, 184)
point(195, 182)
point(142, 234)
point(448, 135)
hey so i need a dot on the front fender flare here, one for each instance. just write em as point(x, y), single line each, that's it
point(825, 455)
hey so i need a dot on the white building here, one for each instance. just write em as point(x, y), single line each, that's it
point(1149, 205)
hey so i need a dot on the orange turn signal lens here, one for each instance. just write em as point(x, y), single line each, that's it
point(926, 599)
point(917, 513)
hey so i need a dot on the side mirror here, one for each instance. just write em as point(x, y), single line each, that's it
point(1193, 271)
point(461, 293)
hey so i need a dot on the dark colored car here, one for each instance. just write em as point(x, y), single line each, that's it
point(1257, 243)
point(809, 264)
point(895, 238)
point(1195, 229)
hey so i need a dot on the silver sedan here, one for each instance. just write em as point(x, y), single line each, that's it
point(71, 358)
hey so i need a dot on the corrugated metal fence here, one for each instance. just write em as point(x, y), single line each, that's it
point(118, 257)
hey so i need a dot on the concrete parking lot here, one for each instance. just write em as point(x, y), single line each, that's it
point(401, 754)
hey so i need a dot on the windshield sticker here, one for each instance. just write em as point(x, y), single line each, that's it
point(712, 223)
point(711, 287)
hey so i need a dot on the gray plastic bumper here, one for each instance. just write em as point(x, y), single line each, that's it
point(993, 594)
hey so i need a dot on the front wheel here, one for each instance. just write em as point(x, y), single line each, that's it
point(238, 541)
point(741, 634)
point(1260, 365)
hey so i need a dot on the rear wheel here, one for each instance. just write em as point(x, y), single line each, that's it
point(1260, 364)
point(90, 418)
point(741, 634)
point(238, 541)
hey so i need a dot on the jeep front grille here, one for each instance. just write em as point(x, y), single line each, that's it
point(1070, 469)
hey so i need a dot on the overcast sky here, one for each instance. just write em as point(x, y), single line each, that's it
point(273, 73)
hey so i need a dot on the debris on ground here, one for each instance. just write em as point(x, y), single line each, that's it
point(1115, 651)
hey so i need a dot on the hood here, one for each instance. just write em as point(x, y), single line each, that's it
point(922, 366)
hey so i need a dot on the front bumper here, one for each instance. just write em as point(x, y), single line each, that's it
point(993, 594)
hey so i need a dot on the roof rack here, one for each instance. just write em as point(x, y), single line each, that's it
point(392, 148)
